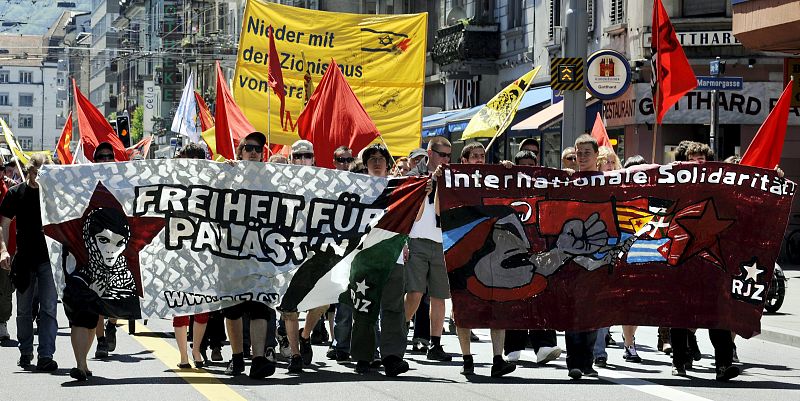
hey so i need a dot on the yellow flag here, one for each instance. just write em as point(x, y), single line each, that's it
point(13, 145)
point(496, 115)
point(381, 56)
point(210, 138)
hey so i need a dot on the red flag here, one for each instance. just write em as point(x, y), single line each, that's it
point(142, 148)
point(95, 129)
point(62, 148)
point(766, 148)
point(275, 77)
point(673, 76)
point(205, 115)
point(334, 117)
point(230, 123)
point(599, 132)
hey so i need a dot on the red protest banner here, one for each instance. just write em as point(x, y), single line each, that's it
point(673, 246)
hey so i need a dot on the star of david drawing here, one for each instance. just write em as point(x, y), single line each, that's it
point(386, 40)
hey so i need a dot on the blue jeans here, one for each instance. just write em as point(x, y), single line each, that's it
point(342, 327)
point(43, 283)
point(600, 343)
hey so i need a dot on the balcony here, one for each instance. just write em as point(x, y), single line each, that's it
point(467, 46)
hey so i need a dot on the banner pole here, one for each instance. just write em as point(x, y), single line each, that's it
point(269, 118)
point(655, 126)
point(384, 143)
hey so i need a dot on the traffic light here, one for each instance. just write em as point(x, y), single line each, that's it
point(124, 130)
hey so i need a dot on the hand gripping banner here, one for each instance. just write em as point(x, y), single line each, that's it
point(681, 245)
point(191, 235)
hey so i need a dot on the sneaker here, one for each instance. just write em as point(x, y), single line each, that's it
point(600, 362)
point(631, 355)
point(4, 331)
point(451, 326)
point(216, 354)
point(610, 340)
point(102, 348)
point(25, 361)
point(111, 336)
point(305, 351)
point(473, 337)
point(726, 373)
point(319, 337)
point(331, 354)
point(735, 356)
point(679, 371)
point(283, 346)
point(666, 348)
point(362, 367)
point(235, 367)
point(688, 365)
point(514, 356)
point(590, 372)
point(78, 375)
point(502, 368)
point(547, 354)
point(376, 363)
point(436, 353)
point(49, 365)
point(261, 367)
point(468, 367)
point(394, 366)
point(296, 364)
point(419, 346)
point(575, 374)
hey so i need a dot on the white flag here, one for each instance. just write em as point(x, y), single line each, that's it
point(185, 121)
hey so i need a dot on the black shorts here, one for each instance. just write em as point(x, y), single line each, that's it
point(81, 304)
point(83, 319)
point(253, 309)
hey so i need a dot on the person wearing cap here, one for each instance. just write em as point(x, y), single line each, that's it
point(262, 317)
point(302, 153)
point(392, 341)
point(415, 157)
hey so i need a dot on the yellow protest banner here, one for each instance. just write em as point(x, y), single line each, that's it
point(381, 56)
point(496, 115)
point(13, 145)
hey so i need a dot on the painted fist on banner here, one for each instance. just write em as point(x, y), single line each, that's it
point(580, 237)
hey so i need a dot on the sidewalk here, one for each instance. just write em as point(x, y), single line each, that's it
point(783, 327)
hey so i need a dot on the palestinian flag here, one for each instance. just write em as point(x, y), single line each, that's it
point(356, 275)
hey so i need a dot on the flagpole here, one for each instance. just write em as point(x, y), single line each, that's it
point(384, 143)
point(655, 126)
point(269, 118)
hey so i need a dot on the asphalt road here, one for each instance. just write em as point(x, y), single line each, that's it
point(143, 368)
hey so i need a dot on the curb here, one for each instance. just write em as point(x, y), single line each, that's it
point(780, 336)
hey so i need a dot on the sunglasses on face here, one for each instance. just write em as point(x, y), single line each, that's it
point(441, 154)
point(571, 158)
point(104, 156)
point(302, 156)
point(344, 159)
point(253, 148)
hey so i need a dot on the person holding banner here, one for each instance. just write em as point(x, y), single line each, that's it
point(426, 268)
point(180, 324)
point(392, 335)
point(262, 317)
point(30, 270)
point(475, 153)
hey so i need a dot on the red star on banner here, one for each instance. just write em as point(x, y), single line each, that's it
point(696, 230)
point(143, 230)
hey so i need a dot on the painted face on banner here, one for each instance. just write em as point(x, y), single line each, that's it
point(111, 245)
point(587, 157)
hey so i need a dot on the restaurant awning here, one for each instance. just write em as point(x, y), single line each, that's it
point(548, 116)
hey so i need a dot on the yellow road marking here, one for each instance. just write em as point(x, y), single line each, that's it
point(205, 383)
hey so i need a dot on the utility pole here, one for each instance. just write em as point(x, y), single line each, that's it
point(574, 121)
point(716, 68)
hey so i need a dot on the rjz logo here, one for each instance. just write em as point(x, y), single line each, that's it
point(747, 286)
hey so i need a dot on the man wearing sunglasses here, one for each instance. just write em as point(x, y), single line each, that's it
point(530, 144)
point(343, 158)
point(425, 267)
point(302, 153)
point(262, 317)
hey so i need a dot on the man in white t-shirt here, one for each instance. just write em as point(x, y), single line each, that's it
point(425, 269)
